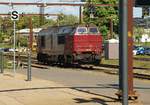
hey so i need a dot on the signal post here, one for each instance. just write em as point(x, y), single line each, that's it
point(14, 17)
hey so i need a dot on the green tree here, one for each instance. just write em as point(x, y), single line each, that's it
point(6, 28)
point(66, 19)
point(49, 22)
point(138, 31)
point(24, 41)
point(24, 22)
point(102, 15)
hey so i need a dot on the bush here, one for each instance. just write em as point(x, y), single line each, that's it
point(23, 42)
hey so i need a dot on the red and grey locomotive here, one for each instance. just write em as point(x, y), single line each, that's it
point(70, 44)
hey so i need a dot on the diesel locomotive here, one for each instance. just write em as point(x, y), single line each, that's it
point(70, 44)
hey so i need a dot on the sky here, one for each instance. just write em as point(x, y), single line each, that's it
point(34, 9)
point(137, 12)
point(56, 9)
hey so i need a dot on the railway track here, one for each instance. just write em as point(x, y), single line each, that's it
point(110, 69)
point(142, 59)
point(114, 70)
point(23, 57)
point(142, 76)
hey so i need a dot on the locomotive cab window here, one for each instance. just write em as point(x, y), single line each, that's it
point(93, 30)
point(42, 41)
point(61, 39)
point(82, 30)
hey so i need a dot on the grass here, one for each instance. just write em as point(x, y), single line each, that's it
point(4, 45)
point(142, 56)
point(136, 63)
point(110, 61)
point(8, 63)
point(143, 64)
point(143, 44)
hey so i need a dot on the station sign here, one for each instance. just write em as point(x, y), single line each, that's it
point(14, 15)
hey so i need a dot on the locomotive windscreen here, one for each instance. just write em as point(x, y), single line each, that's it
point(82, 30)
point(87, 30)
point(93, 30)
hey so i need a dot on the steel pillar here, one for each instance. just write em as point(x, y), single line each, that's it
point(42, 15)
point(29, 73)
point(125, 52)
point(132, 94)
point(1, 62)
point(80, 15)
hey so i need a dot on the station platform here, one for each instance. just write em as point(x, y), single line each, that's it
point(15, 90)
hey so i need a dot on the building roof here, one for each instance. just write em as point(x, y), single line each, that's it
point(26, 32)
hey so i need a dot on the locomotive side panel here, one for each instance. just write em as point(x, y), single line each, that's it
point(52, 42)
point(42, 42)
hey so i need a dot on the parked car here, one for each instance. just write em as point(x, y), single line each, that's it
point(6, 49)
point(135, 50)
point(1, 50)
point(140, 51)
point(147, 51)
point(12, 50)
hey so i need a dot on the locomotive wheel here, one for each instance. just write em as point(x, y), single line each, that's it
point(45, 59)
point(69, 60)
point(38, 57)
point(61, 60)
point(97, 62)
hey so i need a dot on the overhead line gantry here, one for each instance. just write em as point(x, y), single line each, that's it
point(55, 4)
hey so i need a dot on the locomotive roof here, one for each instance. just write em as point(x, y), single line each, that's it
point(73, 26)
point(62, 29)
point(87, 25)
point(56, 30)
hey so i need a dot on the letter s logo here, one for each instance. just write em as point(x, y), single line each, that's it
point(14, 15)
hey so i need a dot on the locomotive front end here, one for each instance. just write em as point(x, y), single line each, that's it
point(87, 45)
